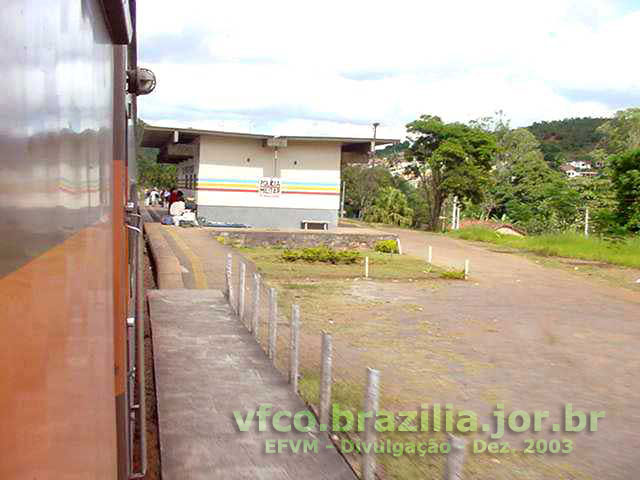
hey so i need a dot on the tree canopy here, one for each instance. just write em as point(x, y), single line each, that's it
point(625, 176)
point(390, 206)
point(150, 172)
point(362, 184)
point(449, 159)
point(622, 132)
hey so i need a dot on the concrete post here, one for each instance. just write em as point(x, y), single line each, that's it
point(586, 222)
point(399, 246)
point(466, 269)
point(325, 380)
point(255, 319)
point(430, 254)
point(241, 288)
point(371, 404)
point(455, 458)
point(454, 213)
point(366, 267)
point(228, 279)
point(294, 347)
point(273, 324)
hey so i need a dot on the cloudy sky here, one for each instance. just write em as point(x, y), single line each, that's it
point(334, 67)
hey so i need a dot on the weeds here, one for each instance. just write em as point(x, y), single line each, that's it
point(452, 274)
point(625, 252)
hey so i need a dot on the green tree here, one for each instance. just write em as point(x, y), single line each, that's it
point(153, 174)
point(416, 200)
point(362, 183)
point(498, 124)
point(622, 132)
point(515, 146)
point(150, 172)
point(526, 190)
point(533, 195)
point(390, 206)
point(449, 159)
point(625, 177)
point(597, 194)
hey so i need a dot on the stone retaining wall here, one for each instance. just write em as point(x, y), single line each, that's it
point(243, 238)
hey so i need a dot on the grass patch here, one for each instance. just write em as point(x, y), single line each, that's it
point(452, 274)
point(624, 252)
point(350, 396)
point(382, 266)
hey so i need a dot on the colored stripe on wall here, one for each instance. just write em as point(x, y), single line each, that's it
point(288, 187)
point(210, 189)
point(256, 180)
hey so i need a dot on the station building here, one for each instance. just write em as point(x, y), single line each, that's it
point(260, 180)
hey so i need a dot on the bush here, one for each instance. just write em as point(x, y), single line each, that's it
point(321, 254)
point(386, 246)
point(391, 207)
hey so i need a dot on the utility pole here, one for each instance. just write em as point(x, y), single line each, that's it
point(275, 162)
point(276, 143)
point(373, 142)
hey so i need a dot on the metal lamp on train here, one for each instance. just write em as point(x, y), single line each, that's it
point(141, 81)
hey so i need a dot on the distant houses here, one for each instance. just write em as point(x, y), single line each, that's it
point(400, 169)
point(580, 168)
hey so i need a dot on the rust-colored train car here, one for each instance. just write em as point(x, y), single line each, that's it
point(70, 287)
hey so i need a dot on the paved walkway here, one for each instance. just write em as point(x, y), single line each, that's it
point(207, 366)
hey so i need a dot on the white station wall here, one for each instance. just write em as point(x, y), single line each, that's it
point(239, 163)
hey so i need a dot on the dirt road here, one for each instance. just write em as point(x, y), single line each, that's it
point(541, 338)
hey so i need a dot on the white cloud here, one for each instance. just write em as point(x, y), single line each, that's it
point(333, 67)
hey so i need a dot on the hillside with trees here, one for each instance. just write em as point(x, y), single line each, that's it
point(563, 141)
point(504, 174)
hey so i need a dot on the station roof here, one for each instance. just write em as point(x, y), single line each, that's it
point(158, 137)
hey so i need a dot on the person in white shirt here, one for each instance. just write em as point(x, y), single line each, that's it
point(154, 196)
point(177, 209)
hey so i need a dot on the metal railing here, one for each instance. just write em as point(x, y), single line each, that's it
point(136, 401)
point(275, 320)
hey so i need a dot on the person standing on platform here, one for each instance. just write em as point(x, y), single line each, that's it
point(173, 196)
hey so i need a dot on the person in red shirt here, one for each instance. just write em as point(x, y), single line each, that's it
point(173, 197)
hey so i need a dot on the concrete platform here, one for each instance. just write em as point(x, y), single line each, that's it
point(207, 365)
